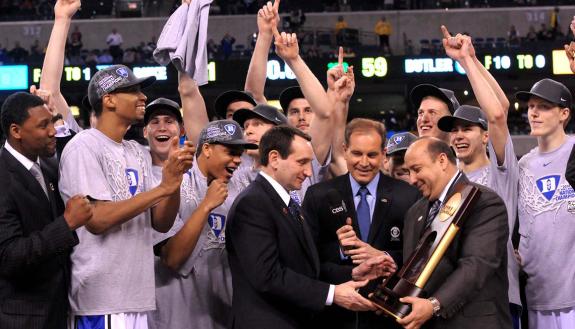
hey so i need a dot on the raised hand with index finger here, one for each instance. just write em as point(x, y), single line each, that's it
point(287, 46)
point(452, 44)
point(268, 17)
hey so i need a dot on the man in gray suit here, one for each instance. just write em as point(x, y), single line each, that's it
point(469, 286)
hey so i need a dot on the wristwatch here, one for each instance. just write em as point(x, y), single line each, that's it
point(436, 305)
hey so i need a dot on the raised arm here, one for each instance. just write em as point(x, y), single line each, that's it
point(267, 17)
point(460, 48)
point(54, 59)
point(340, 89)
point(570, 48)
point(194, 108)
point(321, 129)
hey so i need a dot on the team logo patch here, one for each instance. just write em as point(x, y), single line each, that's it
point(395, 233)
point(132, 176)
point(230, 129)
point(122, 71)
point(217, 223)
point(397, 139)
point(548, 185)
point(571, 207)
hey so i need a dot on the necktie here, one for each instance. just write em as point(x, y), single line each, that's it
point(363, 213)
point(295, 211)
point(433, 210)
point(37, 173)
point(295, 197)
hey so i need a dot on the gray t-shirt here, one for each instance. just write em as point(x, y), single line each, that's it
point(111, 272)
point(547, 228)
point(504, 181)
point(199, 295)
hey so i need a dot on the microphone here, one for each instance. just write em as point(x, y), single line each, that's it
point(337, 206)
point(338, 209)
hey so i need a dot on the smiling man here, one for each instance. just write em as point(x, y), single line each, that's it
point(193, 282)
point(468, 288)
point(376, 204)
point(546, 209)
point(432, 104)
point(271, 252)
point(36, 233)
point(477, 133)
point(128, 204)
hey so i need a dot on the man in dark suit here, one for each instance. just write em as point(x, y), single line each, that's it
point(273, 259)
point(36, 233)
point(468, 288)
point(373, 231)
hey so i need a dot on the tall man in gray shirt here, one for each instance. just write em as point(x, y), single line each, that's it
point(112, 267)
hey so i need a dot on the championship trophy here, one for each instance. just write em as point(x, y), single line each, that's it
point(411, 279)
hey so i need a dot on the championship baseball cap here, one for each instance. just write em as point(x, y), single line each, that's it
point(226, 132)
point(230, 96)
point(163, 104)
point(550, 90)
point(288, 95)
point(266, 112)
point(110, 79)
point(467, 114)
point(421, 91)
point(399, 142)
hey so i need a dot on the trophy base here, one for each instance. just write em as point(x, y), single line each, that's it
point(387, 299)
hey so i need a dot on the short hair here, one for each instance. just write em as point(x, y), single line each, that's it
point(364, 125)
point(436, 146)
point(98, 108)
point(279, 138)
point(15, 109)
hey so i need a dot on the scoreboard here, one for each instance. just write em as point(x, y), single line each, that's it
point(367, 69)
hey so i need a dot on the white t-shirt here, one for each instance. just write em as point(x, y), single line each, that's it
point(111, 272)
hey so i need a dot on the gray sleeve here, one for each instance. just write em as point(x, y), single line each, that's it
point(505, 180)
point(81, 173)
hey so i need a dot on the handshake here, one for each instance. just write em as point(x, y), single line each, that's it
point(371, 264)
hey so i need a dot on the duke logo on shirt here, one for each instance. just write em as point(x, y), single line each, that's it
point(132, 176)
point(548, 185)
point(217, 223)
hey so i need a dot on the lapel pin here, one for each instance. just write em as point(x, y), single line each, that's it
point(51, 187)
point(420, 218)
point(384, 200)
point(285, 211)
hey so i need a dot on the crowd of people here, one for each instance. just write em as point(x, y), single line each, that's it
point(283, 218)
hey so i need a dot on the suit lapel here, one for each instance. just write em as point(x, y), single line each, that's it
point(304, 239)
point(382, 203)
point(419, 224)
point(50, 172)
point(25, 177)
point(344, 187)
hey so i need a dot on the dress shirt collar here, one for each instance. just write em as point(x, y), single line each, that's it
point(371, 186)
point(448, 186)
point(27, 163)
point(281, 191)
